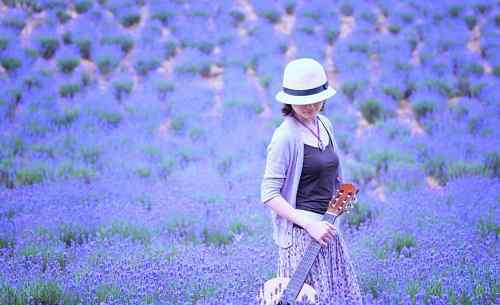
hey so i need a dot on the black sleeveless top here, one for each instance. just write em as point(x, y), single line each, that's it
point(319, 171)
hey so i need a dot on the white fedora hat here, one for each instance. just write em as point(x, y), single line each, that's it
point(304, 82)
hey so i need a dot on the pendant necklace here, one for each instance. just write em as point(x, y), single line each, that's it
point(316, 134)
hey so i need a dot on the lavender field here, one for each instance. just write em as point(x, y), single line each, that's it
point(133, 139)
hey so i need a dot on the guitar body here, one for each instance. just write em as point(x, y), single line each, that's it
point(271, 292)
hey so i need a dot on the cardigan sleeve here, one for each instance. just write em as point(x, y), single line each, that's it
point(277, 160)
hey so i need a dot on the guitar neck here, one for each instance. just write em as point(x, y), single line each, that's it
point(297, 281)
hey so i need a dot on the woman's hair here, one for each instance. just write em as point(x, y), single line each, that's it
point(287, 109)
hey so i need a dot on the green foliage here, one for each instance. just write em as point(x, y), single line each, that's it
point(412, 288)
point(84, 46)
point(144, 65)
point(125, 42)
point(107, 292)
point(112, 118)
point(67, 117)
point(163, 16)
point(122, 88)
point(7, 242)
point(471, 21)
point(130, 19)
point(395, 92)
point(75, 234)
point(349, 88)
point(216, 237)
point(83, 6)
point(402, 240)
point(69, 90)
point(197, 133)
point(455, 10)
point(487, 225)
point(371, 110)
point(48, 46)
point(10, 63)
point(127, 230)
point(106, 64)
point(90, 153)
point(63, 16)
point(31, 174)
point(169, 49)
point(177, 124)
point(433, 289)
point(332, 35)
point(143, 171)
point(272, 16)
point(422, 108)
point(166, 167)
point(238, 16)
point(346, 9)
point(224, 165)
point(359, 214)
point(492, 164)
point(67, 65)
point(38, 292)
point(394, 28)
point(68, 169)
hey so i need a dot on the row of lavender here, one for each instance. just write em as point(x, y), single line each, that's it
point(111, 113)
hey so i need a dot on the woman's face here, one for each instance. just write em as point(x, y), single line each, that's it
point(309, 111)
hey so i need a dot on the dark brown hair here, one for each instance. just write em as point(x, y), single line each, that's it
point(287, 109)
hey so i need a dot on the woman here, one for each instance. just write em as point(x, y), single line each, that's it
point(302, 174)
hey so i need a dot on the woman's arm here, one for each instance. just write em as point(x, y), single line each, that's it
point(285, 210)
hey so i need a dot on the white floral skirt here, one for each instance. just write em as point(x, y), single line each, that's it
point(332, 274)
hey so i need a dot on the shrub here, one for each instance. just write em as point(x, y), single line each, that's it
point(471, 21)
point(67, 117)
point(238, 16)
point(177, 124)
point(126, 230)
point(394, 28)
point(48, 46)
point(69, 90)
point(169, 49)
point(83, 6)
point(166, 167)
point(67, 65)
point(216, 237)
point(10, 63)
point(401, 241)
point(272, 16)
point(163, 87)
point(146, 64)
point(346, 9)
point(38, 292)
point(371, 110)
point(130, 19)
point(30, 175)
point(84, 46)
point(90, 154)
point(75, 234)
point(422, 108)
point(332, 35)
point(124, 42)
point(163, 16)
point(122, 88)
point(360, 213)
point(112, 118)
point(104, 292)
point(492, 164)
point(63, 16)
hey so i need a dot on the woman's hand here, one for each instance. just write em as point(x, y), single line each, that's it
point(321, 231)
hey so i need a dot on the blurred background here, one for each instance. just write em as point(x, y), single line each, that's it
point(133, 139)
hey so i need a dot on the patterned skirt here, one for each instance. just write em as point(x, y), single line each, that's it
point(332, 274)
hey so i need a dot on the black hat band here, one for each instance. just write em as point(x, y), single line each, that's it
point(306, 91)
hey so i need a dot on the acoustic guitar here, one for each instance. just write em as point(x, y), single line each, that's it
point(286, 291)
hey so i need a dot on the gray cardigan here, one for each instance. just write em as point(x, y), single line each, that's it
point(285, 156)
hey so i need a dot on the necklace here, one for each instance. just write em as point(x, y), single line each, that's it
point(316, 134)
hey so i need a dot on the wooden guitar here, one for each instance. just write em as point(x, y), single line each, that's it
point(286, 291)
